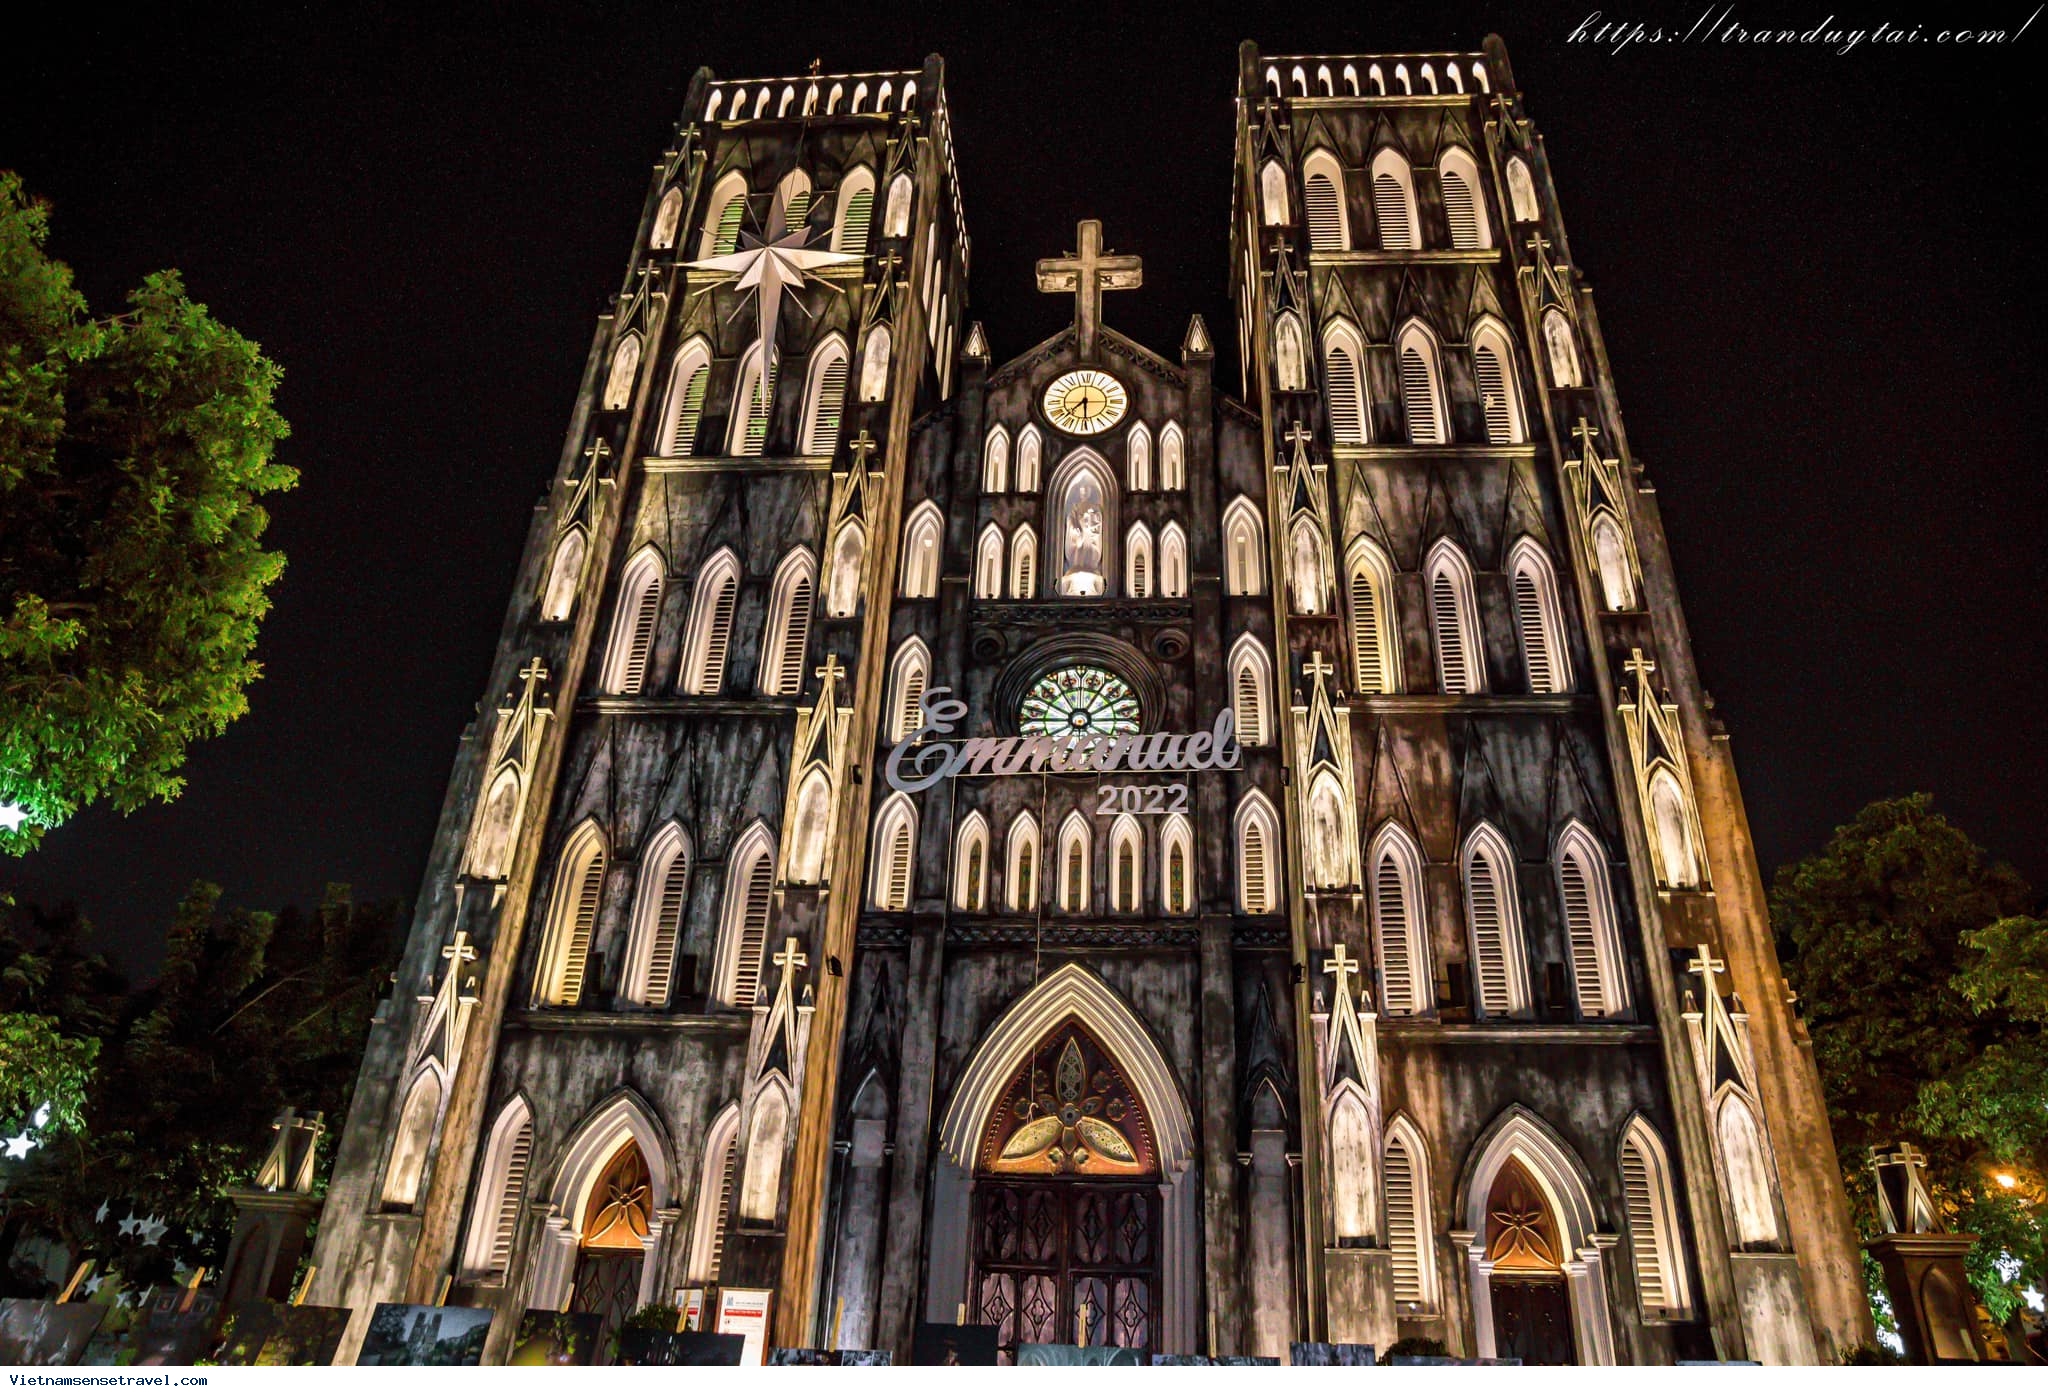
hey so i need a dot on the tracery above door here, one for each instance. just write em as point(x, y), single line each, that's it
point(1069, 1110)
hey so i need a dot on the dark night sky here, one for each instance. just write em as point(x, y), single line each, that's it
point(1816, 275)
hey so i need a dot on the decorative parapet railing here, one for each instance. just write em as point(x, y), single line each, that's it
point(1368, 75)
point(839, 95)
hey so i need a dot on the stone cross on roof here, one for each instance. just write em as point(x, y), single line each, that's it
point(1088, 273)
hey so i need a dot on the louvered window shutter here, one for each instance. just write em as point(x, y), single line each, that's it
point(1347, 413)
point(640, 640)
point(1126, 878)
point(727, 238)
point(1579, 927)
point(1452, 662)
point(1251, 726)
point(1256, 897)
point(899, 868)
point(1489, 936)
point(682, 438)
point(910, 713)
point(1493, 395)
point(1535, 635)
point(796, 639)
point(760, 401)
point(1418, 399)
point(1460, 210)
point(582, 922)
point(1027, 560)
point(668, 926)
point(718, 636)
point(798, 210)
point(509, 1198)
point(1141, 583)
point(1390, 205)
point(1397, 966)
point(753, 931)
point(853, 231)
point(1402, 1239)
point(826, 410)
point(1325, 219)
point(1637, 1184)
point(727, 1176)
point(1366, 639)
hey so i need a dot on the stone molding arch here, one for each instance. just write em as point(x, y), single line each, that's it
point(622, 1116)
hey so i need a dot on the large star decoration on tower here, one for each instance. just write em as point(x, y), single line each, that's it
point(770, 268)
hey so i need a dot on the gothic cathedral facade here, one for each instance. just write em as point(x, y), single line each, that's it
point(1056, 845)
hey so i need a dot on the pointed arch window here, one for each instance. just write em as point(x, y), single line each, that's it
point(1454, 621)
point(825, 397)
point(1598, 980)
point(1126, 865)
point(753, 404)
point(897, 222)
point(1308, 567)
point(1290, 353)
point(743, 928)
point(1327, 848)
point(1671, 826)
point(908, 675)
point(709, 640)
point(1322, 194)
point(1020, 851)
point(565, 571)
point(666, 219)
point(1411, 1234)
point(810, 832)
point(1746, 1172)
point(1138, 561)
point(625, 668)
point(1251, 689)
point(572, 917)
point(1173, 561)
point(662, 897)
point(715, 1184)
point(970, 864)
point(1024, 562)
point(727, 206)
point(1521, 190)
point(1422, 391)
point(788, 636)
point(1374, 634)
point(618, 386)
point(767, 1142)
point(988, 564)
point(1500, 398)
point(921, 551)
point(1654, 1239)
point(1030, 448)
point(856, 211)
point(490, 847)
point(1273, 195)
point(1562, 348)
point(1343, 354)
point(1176, 866)
point(1393, 202)
point(1538, 619)
point(1399, 928)
point(895, 854)
point(1258, 855)
point(1244, 549)
point(1493, 919)
point(1076, 877)
point(874, 365)
point(1464, 204)
point(1173, 452)
point(1081, 532)
point(849, 554)
point(501, 1189)
point(1610, 553)
point(792, 204)
point(407, 1167)
point(995, 462)
point(684, 411)
point(1138, 456)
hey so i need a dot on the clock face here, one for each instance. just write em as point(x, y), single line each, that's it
point(1085, 401)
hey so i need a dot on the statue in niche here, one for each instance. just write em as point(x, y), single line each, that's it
point(1081, 569)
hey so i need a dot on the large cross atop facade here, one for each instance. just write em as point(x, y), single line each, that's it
point(1088, 273)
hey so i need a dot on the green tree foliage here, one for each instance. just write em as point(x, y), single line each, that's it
point(1924, 980)
point(251, 1012)
point(133, 449)
point(57, 1002)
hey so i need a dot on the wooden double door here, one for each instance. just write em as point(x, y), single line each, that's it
point(1048, 1250)
point(1532, 1320)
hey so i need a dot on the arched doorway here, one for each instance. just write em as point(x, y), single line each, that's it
point(616, 1223)
point(1067, 1205)
point(1532, 1314)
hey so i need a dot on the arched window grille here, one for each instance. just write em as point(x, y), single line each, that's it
point(789, 625)
point(625, 668)
point(1454, 621)
point(708, 641)
point(572, 917)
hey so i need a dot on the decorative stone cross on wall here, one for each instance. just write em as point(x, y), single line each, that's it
point(1088, 273)
point(1343, 966)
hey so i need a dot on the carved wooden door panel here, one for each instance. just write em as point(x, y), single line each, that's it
point(1532, 1320)
point(1044, 1250)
